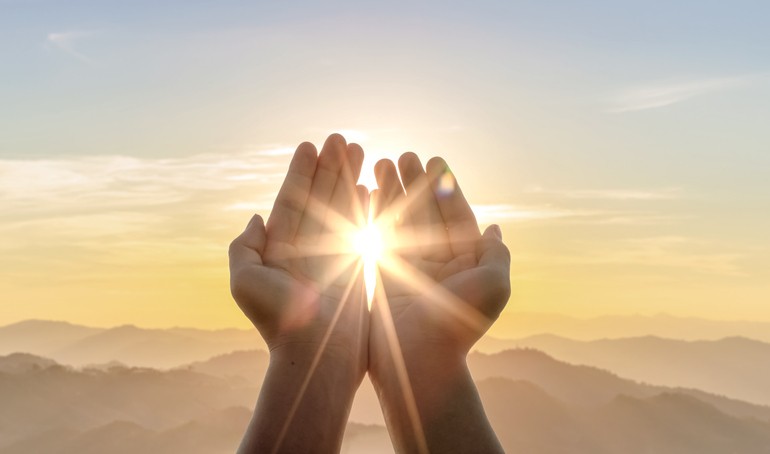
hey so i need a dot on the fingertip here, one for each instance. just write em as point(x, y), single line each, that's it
point(494, 231)
point(436, 166)
point(355, 152)
point(306, 148)
point(255, 220)
point(336, 139)
point(410, 167)
point(385, 172)
point(409, 159)
point(304, 159)
point(383, 165)
point(355, 158)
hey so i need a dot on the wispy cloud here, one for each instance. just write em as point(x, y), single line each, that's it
point(611, 194)
point(657, 95)
point(514, 213)
point(95, 202)
point(66, 41)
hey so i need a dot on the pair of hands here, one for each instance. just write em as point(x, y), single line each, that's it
point(440, 288)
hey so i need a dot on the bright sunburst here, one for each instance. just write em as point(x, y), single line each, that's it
point(369, 244)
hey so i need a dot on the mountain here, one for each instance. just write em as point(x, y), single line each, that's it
point(515, 325)
point(20, 363)
point(217, 433)
point(158, 348)
point(581, 385)
point(736, 367)
point(528, 419)
point(535, 403)
point(41, 337)
point(586, 385)
point(167, 348)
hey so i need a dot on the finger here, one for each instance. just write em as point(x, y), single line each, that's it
point(292, 198)
point(495, 267)
point(423, 210)
point(356, 158)
point(462, 228)
point(248, 247)
point(391, 193)
point(327, 171)
point(344, 198)
point(375, 206)
point(245, 252)
point(362, 207)
point(491, 251)
point(390, 210)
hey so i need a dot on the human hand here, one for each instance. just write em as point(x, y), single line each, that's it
point(293, 278)
point(441, 287)
point(304, 291)
point(446, 282)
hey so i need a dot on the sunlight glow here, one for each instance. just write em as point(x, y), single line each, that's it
point(369, 243)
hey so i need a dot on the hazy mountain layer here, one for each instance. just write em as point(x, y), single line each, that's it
point(735, 367)
point(559, 408)
point(515, 325)
point(166, 348)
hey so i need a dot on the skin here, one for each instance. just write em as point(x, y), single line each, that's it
point(467, 275)
point(288, 280)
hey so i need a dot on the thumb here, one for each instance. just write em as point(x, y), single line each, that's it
point(491, 250)
point(249, 245)
point(494, 271)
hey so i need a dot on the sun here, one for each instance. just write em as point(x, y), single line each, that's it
point(369, 244)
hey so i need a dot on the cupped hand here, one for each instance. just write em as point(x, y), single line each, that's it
point(293, 278)
point(445, 282)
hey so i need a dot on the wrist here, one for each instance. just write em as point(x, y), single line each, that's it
point(336, 361)
point(433, 365)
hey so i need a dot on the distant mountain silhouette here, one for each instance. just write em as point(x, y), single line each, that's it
point(41, 337)
point(736, 367)
point(217, 433)
point(552, 407)
point(527, 419)
point(21, 363)
point(586, 385)
point(158, 348)
point(515, 325)
point(167, 348)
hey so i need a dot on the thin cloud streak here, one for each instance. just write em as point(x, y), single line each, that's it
point(511, 213)
point(98, 201)
point(65, 41)
point(611, 194)
point(659, 95)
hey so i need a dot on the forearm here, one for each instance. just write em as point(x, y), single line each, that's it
point(451, 415)
point(295, 414)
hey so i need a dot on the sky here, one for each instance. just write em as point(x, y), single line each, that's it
point(622, 146)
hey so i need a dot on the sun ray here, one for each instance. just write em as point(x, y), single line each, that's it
point(316, 360)
point(435, 294)
point(399, 365)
